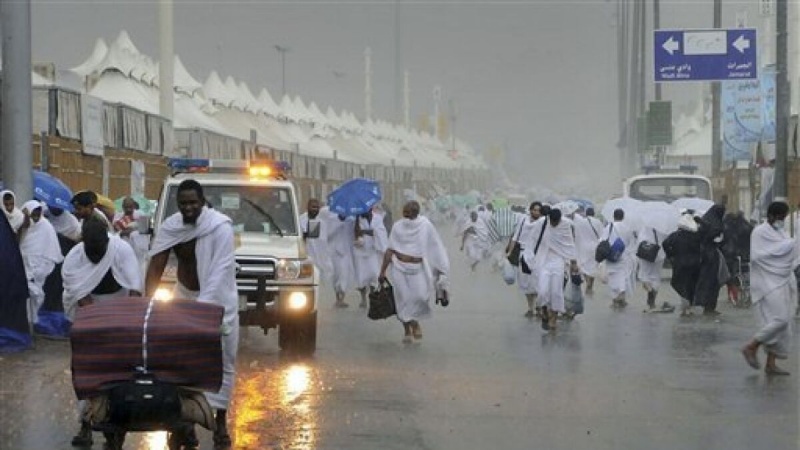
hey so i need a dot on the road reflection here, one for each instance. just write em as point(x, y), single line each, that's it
point(275, 408)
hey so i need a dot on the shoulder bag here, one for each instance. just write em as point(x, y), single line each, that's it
point(513, 256)
point(648, 251)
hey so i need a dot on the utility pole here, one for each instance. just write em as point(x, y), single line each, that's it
point(656, 26)
point(367, 84)
point(166, 76)
point(166, 70)
point(283, 50)
point(716, 109)
point(15, 119)
point(782, 99)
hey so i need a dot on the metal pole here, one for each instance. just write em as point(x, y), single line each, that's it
point(367, 83)
point(716, 110)
point(782, 99)
point(282, 50)
point(398, 62)
point(166, 76)
point(656, 26)
point(15, 120)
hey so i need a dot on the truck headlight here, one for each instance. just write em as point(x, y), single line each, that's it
point(163, 294)
point(289, 269)
point(298, 300)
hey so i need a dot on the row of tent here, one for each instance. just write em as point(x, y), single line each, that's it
point(120, 73)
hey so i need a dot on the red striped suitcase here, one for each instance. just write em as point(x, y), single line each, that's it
point(182, 342)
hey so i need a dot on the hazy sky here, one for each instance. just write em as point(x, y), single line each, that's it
point(536, 75)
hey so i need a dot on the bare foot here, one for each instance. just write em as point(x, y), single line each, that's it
point(751, 356)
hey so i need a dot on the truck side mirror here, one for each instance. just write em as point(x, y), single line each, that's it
point(313, 229)
point(143, 225)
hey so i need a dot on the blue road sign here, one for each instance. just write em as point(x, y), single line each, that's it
point(705, 55)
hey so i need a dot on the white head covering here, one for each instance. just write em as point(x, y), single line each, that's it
point(31, 205)
point(15, 217)
point(40, 240)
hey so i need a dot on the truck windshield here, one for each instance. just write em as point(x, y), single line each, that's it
point(668, 189)
point(253, 209)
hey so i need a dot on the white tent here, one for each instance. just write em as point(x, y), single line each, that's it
point(90, 64)
point(270, 107)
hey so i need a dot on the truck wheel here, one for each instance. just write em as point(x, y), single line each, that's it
point(299, 335)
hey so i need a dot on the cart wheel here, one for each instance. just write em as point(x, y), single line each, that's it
point(114, 440)
point(174, 441)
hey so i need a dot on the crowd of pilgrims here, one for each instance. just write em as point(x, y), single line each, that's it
point(554, 264)
point(44, 236)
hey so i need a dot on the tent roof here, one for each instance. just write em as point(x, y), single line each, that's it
point(90, 64)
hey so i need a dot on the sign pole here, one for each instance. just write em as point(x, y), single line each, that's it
point(716, 111)
point(782, 99)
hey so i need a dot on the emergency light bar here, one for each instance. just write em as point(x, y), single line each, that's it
point(255, 169)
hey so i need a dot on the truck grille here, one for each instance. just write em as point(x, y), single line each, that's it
point(252, 271)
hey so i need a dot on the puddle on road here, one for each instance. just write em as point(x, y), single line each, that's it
point(276, 408)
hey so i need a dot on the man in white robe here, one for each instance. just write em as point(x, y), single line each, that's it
point(40, 253)
point(621, 272)
point(203, 241)
point(97, 269)
point(10, 210)
point(317, 246)
point(556, 253)
point(475, 240)
point(587, 236)
point(126, 223)
point(370, 242)
point(649, 273)
point(526, 233)
point(341, 236)
point(65, 223)
point(419, 265)
point(773, 288)
point(96, 260)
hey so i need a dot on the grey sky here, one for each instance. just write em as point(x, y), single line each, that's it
point(536, 75)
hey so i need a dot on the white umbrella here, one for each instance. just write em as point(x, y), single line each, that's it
point(661, 216)
point(567, 207)
point(699, 205)
point(630, 206)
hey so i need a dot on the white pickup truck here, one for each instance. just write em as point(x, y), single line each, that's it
point(277, 283)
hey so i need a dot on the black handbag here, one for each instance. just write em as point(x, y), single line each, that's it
point(144, 404)
point(381, 302)
point(648, 251)
point(603, 249)
point(513, 256)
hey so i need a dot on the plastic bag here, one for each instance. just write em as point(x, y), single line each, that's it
point(602, 273)
point(509, 273)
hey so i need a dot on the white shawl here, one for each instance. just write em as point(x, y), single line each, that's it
point(317, 248)
point(557, 243)
point(66, 224)
point(81, 276)
point(215, 253)
point(772, 257)
point(378, 242)
point(587, 235)
point(15, 217)
point(418, 238)
point(40, 240)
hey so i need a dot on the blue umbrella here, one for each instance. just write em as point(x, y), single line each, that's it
point(52, 191)
point(354, 197)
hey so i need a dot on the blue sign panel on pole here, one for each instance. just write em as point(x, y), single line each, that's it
point(705, 55)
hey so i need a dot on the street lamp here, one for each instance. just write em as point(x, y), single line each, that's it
point(282, 50)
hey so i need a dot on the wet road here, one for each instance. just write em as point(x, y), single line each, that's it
point(482, 377)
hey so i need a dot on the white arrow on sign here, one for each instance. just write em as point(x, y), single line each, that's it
point(741, 44)
point(671, 45)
